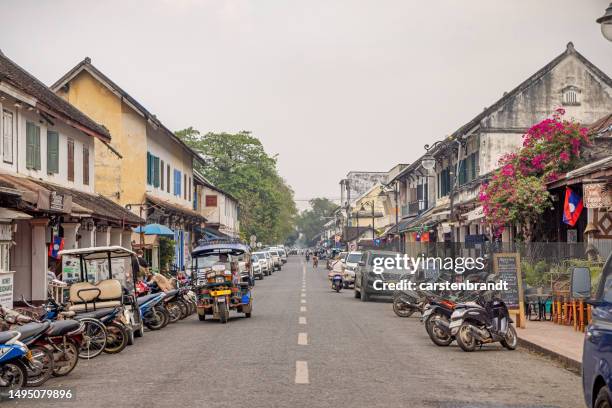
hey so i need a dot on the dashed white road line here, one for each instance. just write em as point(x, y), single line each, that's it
point(303, 309)
point(303, 295)
point(301, 372)
point(303, 301)
point(302, 320)
point(302, 339)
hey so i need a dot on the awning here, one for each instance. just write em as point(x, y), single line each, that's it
point(176, 209)
point(44, 197)
point(155, 229)
point(6, 214)
point(211, 233)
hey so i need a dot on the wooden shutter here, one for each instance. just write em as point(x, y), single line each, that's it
point(7, 137)
point(161, 175)
point(70, 160)
point(189, 195)
point(52, 152)
point(149, 175)
point(155, 171)
point(185, 184)
point(30, 141)
point(168, 178)
point(211, 200)
point(86, 165)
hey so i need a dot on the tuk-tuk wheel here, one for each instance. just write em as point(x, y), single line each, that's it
point(201, 317)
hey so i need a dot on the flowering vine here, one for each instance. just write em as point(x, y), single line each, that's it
point(516, 192)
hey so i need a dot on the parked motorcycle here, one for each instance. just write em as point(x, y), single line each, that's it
point(337, 282)
point(436, 318)
point(154, 315)
point(482, 322)
point(14, 361)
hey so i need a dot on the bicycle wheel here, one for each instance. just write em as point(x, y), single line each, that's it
point(94, 338)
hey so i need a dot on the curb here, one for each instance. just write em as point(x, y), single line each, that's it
point(570, 364)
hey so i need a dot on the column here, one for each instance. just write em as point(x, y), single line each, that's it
point(70, 234)
point(39, 259)
point(102, 235)
point(126, 239)
point(87, 232)
point(115, 236)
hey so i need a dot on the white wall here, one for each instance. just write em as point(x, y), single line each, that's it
point(20, 117)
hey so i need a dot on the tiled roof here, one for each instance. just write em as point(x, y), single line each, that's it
point(19, 78)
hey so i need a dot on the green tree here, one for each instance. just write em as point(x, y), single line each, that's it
point(238, 164)
point(310, 222)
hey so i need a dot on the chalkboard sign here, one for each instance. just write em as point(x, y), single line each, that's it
point(508, 268)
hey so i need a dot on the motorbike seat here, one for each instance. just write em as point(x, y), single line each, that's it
point(7, 335)
point(62, 327)
point(146, 298)
point(32, 329)
point(98, 314)
point(172, 292)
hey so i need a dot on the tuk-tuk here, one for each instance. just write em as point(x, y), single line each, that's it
point(220, 281)
point(102, 278)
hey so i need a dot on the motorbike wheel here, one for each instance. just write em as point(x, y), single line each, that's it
point(154, 319)
point(400, 309)
point(131, 337)
point(42, 360)
point(174, 311)
point(14, 374)
point(466, 341)
point(140, 331)
point(184, 308)
point(511, 340)
point(223, 312)
point(66, 358)
point(94, 338)
point(337, 288)
point(435, 334)
point(117, 338)
point(193, 307)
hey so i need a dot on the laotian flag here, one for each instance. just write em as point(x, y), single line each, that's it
point(56, 246)
point(572, 207)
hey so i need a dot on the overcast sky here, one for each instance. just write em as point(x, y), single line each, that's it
point(330, 86)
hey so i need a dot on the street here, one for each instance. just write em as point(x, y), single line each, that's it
point(337, 351)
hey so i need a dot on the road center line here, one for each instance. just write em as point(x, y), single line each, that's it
point(303, 309)
point(302, 320)
point(301, 372)
point(303, 301)
point(302, 339)
point(303, 295)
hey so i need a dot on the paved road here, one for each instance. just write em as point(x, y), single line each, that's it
point(337, 351)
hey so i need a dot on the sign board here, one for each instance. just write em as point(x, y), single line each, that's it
point(6, 289)
point(597, 195)
point(508, 268)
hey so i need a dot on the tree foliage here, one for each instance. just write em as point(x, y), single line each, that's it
point(238, 164)
point(310, 222)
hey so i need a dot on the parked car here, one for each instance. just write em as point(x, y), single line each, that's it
point(276, 259)
point(597, 355)
point(257, 267)
point(265, 260)
point(365, 276)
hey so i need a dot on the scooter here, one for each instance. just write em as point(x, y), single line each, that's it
point(14, 361)
point(486, 321)
point(436, 318)
point(154, 315)
point(337, 282)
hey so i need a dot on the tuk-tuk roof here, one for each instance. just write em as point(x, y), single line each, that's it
point(231, 247)
point(115, 251)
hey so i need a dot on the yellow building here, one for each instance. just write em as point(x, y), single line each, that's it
point(154, 175)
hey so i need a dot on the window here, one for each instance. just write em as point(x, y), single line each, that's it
point(70, 159)
point(155, 171)
point(85, 165)
point(185, 184)
point(152, 170)
point(32, 146)
point(7, 137)
point(177, 183)
point(52, 152)
point(189, 195)
point(211, 200)
point(161, 175)
point(444, 182)
point(570, 95)
point(168, 178)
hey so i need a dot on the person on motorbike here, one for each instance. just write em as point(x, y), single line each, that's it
point(307, 255)
point(315, 260)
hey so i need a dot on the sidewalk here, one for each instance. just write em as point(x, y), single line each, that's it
point(562, 343)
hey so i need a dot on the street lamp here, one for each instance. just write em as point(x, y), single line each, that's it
point(606, 23)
